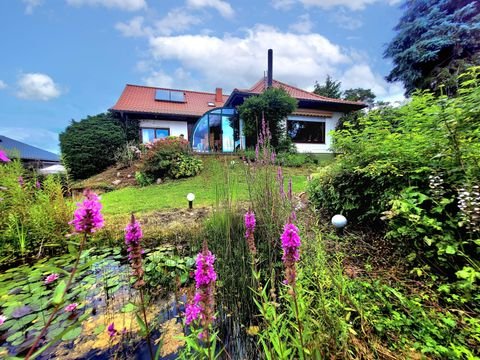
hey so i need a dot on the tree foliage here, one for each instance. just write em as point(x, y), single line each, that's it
point(360, 94)
point(330, 88)
point(275, 104)
point(88, 146)
point(436, 40)
point(416, 168)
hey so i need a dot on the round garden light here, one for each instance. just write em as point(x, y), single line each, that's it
point(339, 222)
point(190, 198)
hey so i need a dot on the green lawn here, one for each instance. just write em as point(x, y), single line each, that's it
point(172, 193)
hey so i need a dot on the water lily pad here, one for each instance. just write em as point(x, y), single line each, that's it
point(21, 311)
point(72, 334)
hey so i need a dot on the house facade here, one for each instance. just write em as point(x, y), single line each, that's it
point(210, 120)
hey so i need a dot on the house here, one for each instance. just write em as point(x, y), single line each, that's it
point(210, 120)
point(30, 156)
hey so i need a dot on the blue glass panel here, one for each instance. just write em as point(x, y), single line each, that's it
point(177, 96)
point(148, 135)
point(161, 133)
point(228, 144)
point(228, 111)
point(200, 135)
point(163, 95)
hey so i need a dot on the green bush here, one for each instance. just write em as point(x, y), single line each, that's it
point(34, 216)
point(185, 166)
point(417, 169)
point(127, 154)
point(88, 146)
point(170, 157)
point(142, 179)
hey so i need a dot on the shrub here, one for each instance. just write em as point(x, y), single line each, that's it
point(143, 179)
point(417, 168)
point(170, 157)
point(127, 154)
point(88, 146)
point(185, 166)
point(33, 218)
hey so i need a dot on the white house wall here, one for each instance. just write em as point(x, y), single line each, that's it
point(330, 124)
point(177, 128)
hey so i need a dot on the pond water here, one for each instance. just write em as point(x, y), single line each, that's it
point(103, 293)
point(102, 289)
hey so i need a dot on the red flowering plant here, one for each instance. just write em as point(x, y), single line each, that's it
point(170, 157)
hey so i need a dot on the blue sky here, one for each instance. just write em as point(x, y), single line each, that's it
point(66, 59)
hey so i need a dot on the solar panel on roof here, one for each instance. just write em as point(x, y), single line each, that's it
point(163, 95)
point(177, 96)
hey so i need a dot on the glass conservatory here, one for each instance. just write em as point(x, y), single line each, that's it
point(219, 130)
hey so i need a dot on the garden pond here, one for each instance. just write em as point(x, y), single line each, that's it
point(103, 294)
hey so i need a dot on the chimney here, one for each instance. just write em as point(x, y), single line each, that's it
point(218, 95)
point(270, 68)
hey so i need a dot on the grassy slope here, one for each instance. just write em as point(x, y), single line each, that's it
point(172, 193)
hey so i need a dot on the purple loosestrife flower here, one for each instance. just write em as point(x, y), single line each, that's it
point(71, 307)
point(51, 278)
point(290, 244)
point(88, 217)
point(3, 156)
point(280, 182)
point(290, 189)
point(203, 305)
point(3, 318)
point(21, 182)
point(38, 185)
point(111, 330)
point(133, 235)
point(249, 233)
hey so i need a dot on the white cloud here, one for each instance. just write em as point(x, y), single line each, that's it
point(128, 5)
point(176, 20)
point(303, 25)
point(41, 138)
point(133, 28)
point(30, 5)
point(159, 79)
point(328, 4)
point(223, 7)
point(36, 86)
point(343, 20)
point(3, 84)
point(361, 75)
point(240, 61)
point(283, 4)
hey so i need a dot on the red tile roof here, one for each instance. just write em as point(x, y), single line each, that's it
point(141, 99)
point(295, 92)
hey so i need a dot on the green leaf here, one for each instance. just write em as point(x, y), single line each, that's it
point(141, 323)
point(58, 293)
point(128, 308)
point(72, 334)
point(450, 250)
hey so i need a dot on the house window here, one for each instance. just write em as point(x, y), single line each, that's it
point(150, 134)
point(306, 131)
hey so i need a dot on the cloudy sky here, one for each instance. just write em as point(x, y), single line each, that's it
point(65, 59)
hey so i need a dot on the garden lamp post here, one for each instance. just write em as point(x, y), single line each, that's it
point(339, 222)
point(190, 198)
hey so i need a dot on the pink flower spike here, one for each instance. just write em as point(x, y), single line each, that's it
point(3, 318)
point(111, 330)
point(88, 217)
point(3, 156)
point(51, 278)
point(71, 307)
